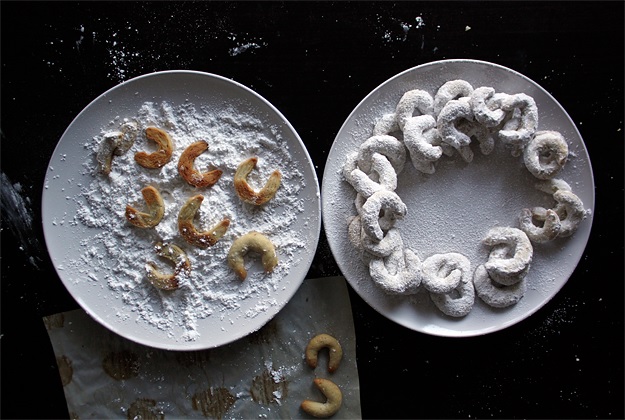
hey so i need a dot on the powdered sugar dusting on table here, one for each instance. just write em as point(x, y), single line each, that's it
point(116, 256)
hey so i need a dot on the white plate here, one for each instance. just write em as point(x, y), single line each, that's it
point(452, 209)
point(75, 248)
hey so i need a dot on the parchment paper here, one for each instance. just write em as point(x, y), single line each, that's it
point(263, 375)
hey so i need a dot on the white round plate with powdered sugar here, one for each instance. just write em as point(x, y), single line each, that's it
point(452, 209)
point(101, 258)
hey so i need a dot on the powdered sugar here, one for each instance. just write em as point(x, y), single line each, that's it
point(117, 254)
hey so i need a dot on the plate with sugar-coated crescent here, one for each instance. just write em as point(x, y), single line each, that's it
point(181, 210)
point(458, 198)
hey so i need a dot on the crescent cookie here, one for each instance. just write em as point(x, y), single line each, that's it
point(324, 341)
point(451, 90)
point(246, 193)
point(399, 274)
point(177, 257)
point(334, 399)
point(545, 154)
point(413, 101)
point(383, 248)
point(495, 294)
point(364, 185)
point(458, 302)
point(483, 135)
point(108, 145)
point(420, 134)
point(571, 211)
point(543, 232)
point(518, 131)
point(452, 113)
point(386, 201)
point(187, 170)
point(188, 231)
point(442, 273)
point(161, 156)
point(252, 242)
point(115, 143)
point(156, 209)
point(486, 108)
point(386, 145)
point(510, 256)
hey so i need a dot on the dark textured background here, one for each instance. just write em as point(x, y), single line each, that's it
point(315, 62)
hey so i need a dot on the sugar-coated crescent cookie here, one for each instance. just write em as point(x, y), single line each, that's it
point(400, 273)
point(571, 211)
point(548, 229)
point(545, 154)
point(458, 302)
point(518, 131)
point(380, 201)
point(495, 294)
point(129, 132)
point(182, 266)
point(442, 273)
point(386, 125)
point(106, 151)
point(419, 135)
point(383, 248)
point(453, 113)
point(386, 145)
point(415, 100)
point(115, 143)
point(486, 109)
point(451, 90)
point(510, 256)
point(334, 399)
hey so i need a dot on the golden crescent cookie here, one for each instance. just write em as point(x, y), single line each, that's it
point(252, 242)
point(334, 399)
point(319, 342)
point(181, 266)
point(156, 209)
point(187, 170)
point(161, 156)
point(188, 230)
point(247, 193)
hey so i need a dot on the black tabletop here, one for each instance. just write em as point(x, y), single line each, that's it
point(315, 61)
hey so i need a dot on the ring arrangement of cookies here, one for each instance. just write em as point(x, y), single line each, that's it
point(423, 129)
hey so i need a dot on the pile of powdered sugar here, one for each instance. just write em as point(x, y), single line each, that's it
point(117, 254)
